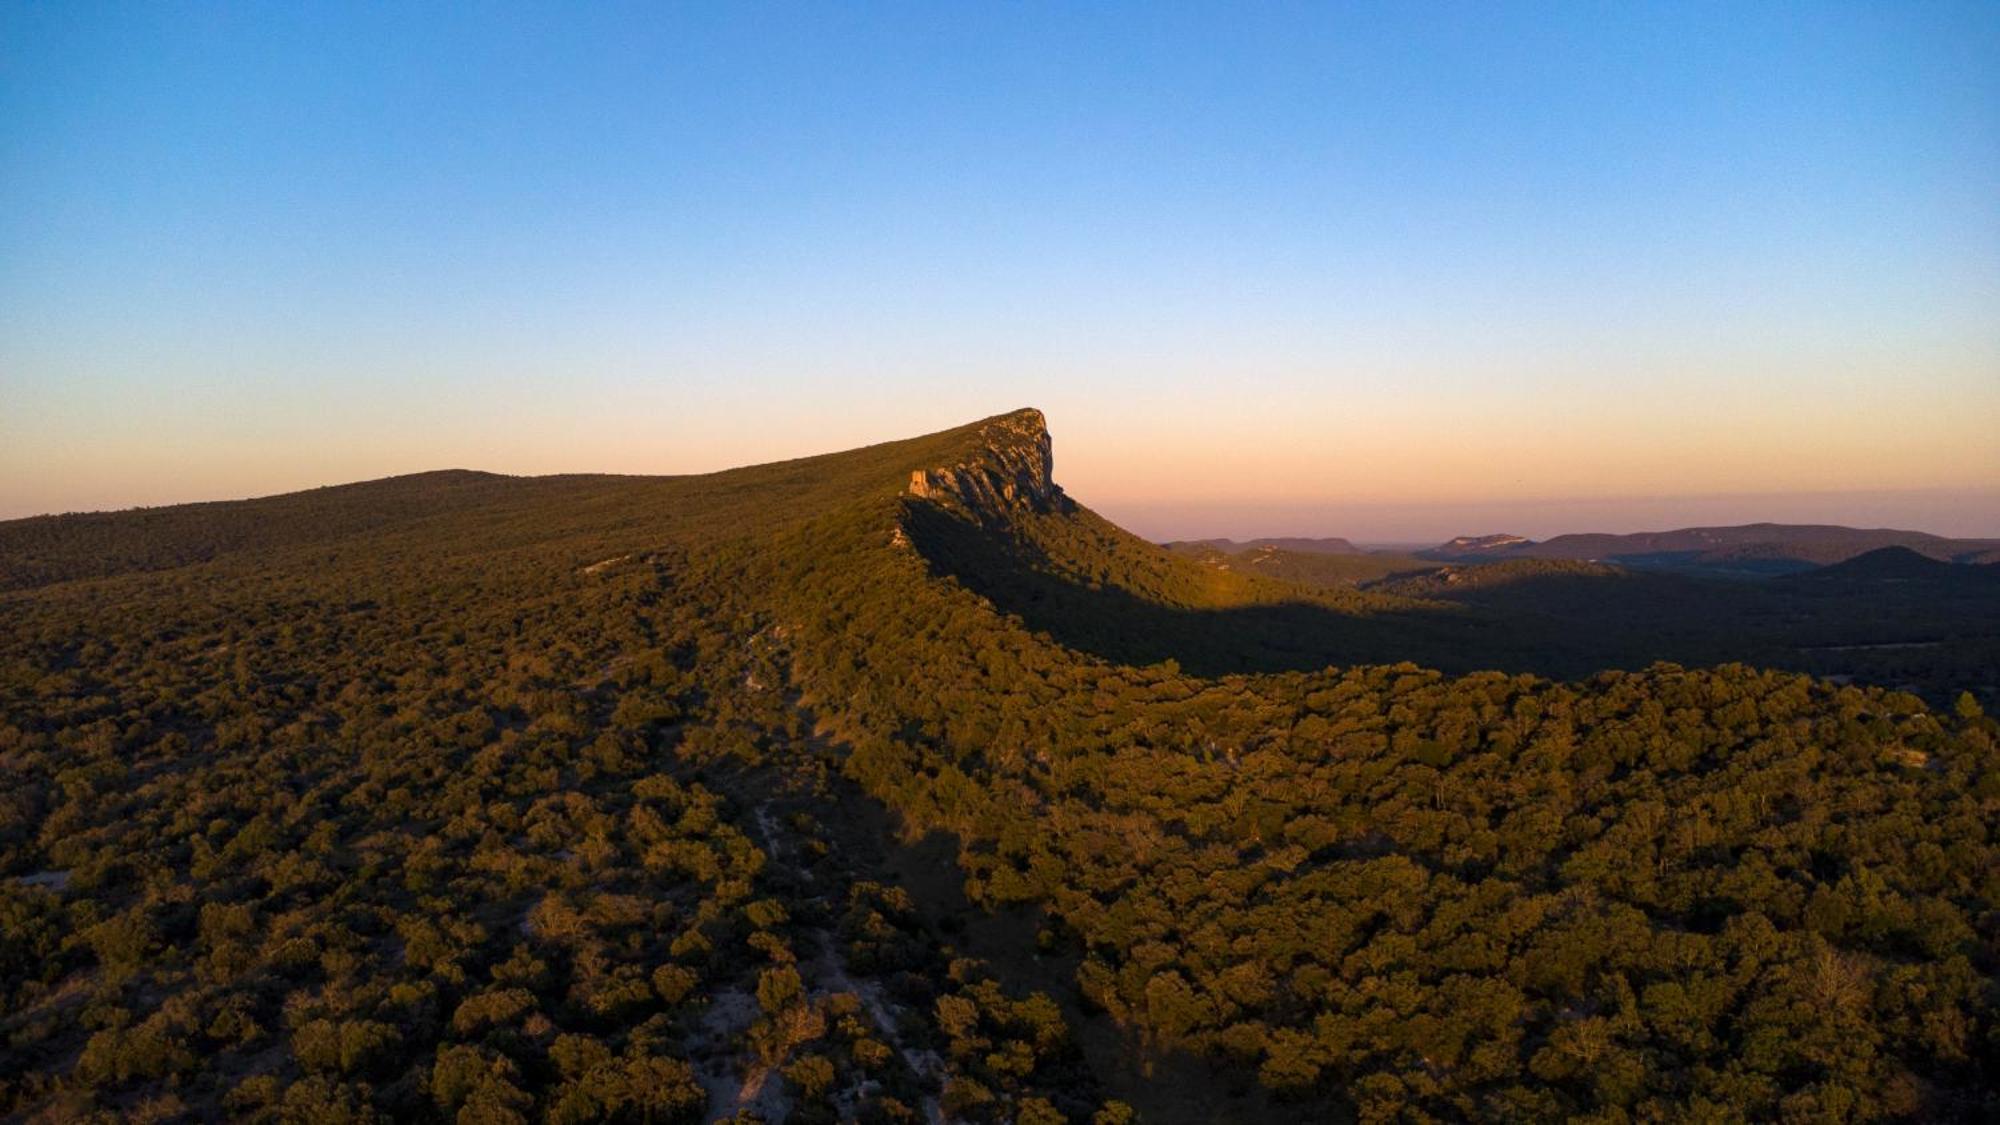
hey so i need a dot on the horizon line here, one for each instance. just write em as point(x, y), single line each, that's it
point(1186, 509)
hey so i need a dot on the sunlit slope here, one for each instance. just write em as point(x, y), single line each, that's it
point(486, 745)
point(460, 511)
point(976, 504)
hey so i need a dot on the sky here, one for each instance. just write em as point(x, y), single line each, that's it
point(1395, 272)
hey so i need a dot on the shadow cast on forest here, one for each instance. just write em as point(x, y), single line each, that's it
point(1120, 626)
point(1561, 626)
point(1166, 1087)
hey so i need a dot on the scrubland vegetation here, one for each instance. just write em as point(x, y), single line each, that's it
point(522, 800)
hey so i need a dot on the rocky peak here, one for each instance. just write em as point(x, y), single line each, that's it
point(1007, 466)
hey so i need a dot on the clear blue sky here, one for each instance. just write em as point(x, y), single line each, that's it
point(1388, 271)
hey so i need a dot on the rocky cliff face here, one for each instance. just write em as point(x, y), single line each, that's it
point(1008, 468)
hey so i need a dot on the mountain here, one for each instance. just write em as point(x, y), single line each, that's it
point(1759, 549)
point(895, 784)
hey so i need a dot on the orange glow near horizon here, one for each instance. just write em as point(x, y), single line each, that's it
point(1197, 459)
point(1322, 265)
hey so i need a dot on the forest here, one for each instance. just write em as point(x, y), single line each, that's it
point(895, 785)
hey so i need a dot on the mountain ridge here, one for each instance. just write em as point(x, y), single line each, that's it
point(1325, 545)
point(1754, 547)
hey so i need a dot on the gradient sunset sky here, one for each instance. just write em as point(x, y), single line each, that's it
point(1394, 272)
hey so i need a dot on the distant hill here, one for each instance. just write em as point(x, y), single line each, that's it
point(1753, 550)
point(1455, 581)
point(1312, 568)
point(1899, 564)
point(44, 549)
point(1330, 546)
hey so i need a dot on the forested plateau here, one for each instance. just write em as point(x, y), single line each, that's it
point(895, 785)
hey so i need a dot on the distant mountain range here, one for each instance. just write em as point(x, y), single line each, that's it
point(1758, 549)
point(1232, 546)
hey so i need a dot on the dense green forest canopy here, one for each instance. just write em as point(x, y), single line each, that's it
point(581, 798)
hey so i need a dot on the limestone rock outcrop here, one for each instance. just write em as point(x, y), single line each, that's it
point(1009, 468)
